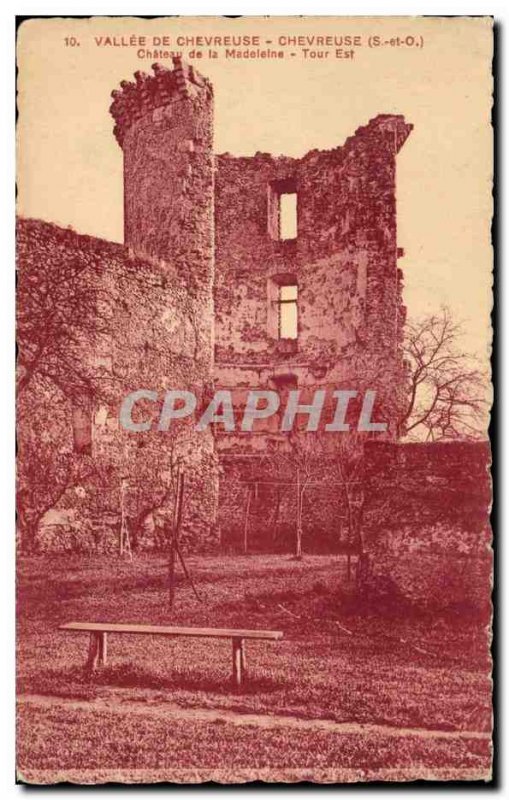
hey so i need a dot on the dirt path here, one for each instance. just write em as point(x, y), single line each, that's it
point(267, 721)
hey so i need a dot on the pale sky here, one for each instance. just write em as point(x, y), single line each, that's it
point(70, 166)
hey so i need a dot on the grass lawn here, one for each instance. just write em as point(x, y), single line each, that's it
point(427, 675)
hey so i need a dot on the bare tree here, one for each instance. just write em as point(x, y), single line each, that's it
point(60, 317)
point(67, 317)
point(317, 467)
point(151, 474)
point(296, 465)
point(59, 309)
point(447, 391)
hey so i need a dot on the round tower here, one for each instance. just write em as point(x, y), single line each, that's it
point(163, 123)
point(164, 127)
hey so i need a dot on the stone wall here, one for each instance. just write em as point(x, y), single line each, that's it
point(151, 328)
point(146, 333)
point(427, 523)
point(110, 319)
point(424, 524)
point(343, 259)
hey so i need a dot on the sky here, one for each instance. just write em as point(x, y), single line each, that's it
point(70, 166)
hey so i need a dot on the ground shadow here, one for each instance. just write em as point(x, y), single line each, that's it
point(77, 683)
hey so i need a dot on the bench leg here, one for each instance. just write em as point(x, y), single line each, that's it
point(94, 650)
point(97, 651)
point(238, 662)
point(103, 648)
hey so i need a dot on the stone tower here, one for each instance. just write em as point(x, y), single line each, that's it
point(164, 125)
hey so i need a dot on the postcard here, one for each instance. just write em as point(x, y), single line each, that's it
point(254, 303)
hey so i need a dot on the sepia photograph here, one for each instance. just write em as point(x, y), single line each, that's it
point(253, 392)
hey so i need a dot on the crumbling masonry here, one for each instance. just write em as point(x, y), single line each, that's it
point(206, 232)
point(211, 290)
point(216, 220)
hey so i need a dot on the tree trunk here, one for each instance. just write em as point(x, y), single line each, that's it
point(171, 569)
point(298, 548)
point(363, 572)
point(246, 520)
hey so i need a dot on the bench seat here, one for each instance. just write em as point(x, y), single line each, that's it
point(99, 630)
point(218, 633)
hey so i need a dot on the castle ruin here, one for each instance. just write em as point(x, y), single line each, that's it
point(215, 288)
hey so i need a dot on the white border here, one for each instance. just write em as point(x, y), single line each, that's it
point(9, 9)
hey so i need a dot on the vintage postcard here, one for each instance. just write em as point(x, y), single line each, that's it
point(253, 394)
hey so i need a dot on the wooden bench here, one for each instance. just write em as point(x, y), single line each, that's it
point(97, 653)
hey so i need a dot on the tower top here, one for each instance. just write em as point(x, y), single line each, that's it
point(136, 99)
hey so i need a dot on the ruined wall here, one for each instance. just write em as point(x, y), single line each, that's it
point(427, 523)
point(343, 259)
point(153, 327)
point(194, 222)
point(188, 213)
point(145, 334)
point(350, 318)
